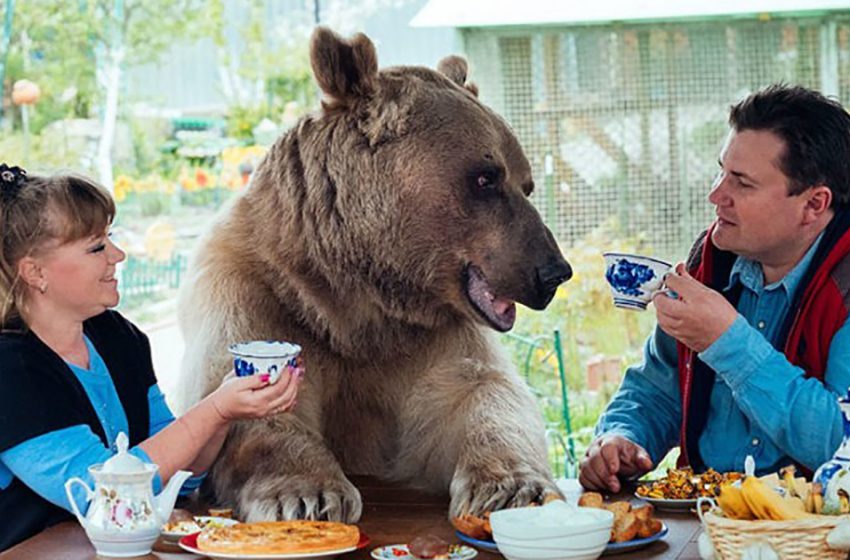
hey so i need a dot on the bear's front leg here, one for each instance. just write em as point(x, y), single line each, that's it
point(280, 469)
point(473, 428)
point(503, 460)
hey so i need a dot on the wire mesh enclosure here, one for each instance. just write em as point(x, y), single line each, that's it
point(627, 120)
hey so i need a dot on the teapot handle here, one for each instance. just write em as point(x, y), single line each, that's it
point(89, 494)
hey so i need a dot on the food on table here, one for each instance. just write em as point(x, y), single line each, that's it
point(184, 527)
point(181, 521)
point(227, 513)
point(683, 484)
point(279, 537)
point(773, 497)
point(429, 547)
point(475, 527)
point(629, 522)
point(191, 525)
point(479, 527)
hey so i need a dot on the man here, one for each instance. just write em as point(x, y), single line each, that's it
point(752, 345)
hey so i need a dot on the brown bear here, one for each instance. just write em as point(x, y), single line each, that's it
point(389, 235)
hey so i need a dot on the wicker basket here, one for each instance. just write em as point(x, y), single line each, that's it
point(803, 539)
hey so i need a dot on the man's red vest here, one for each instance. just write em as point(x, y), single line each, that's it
point(817, 315)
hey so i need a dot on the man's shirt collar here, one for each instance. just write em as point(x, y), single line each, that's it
point(749, 273)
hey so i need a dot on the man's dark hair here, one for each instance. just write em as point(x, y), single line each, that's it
point(816, 132)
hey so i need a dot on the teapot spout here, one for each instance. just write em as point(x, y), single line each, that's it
point(165, 500)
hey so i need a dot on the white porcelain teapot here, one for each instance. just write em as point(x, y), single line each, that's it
point(124, 517)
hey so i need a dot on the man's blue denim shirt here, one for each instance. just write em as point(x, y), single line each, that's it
point(761, 405)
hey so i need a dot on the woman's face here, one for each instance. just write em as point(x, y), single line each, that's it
point(80, 275)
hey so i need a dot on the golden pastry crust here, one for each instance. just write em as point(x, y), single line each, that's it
point(279, 537)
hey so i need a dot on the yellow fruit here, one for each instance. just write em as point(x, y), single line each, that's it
point(766, 504)
point(788, 478)
point(732, 502)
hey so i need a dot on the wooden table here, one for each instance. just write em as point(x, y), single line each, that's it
point(391, 515)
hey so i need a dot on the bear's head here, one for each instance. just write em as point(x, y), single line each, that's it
point(414, 196)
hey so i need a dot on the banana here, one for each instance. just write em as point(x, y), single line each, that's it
point(765, 503)
point(816, 497)
point(732, 502)
point(787, 474)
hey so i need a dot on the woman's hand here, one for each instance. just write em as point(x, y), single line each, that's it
point(240, 398)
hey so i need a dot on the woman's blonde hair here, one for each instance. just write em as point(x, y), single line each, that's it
point(38, 209)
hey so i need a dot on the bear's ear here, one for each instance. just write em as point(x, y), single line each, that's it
point(345, 70)
point(455, 68)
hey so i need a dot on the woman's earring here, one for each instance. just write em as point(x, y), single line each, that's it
point(43, 287)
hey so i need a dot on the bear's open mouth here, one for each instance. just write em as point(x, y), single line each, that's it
point(499, 312)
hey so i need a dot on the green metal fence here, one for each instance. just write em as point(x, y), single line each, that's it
point(540, 359)
point(142, 277)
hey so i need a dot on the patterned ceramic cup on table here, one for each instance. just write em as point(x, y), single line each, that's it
point(634, 279)
point(258, 357)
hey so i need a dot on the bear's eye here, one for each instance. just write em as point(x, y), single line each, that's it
point(485, 181)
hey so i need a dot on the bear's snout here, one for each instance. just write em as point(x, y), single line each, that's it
point(548, 277)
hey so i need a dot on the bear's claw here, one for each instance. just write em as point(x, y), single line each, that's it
point(299, 497)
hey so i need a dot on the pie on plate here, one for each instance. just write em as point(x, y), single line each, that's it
point(279, 537)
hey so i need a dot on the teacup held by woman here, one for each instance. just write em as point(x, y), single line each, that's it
point(257, 357)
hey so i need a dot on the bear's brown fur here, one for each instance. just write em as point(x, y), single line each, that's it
point(388, 235)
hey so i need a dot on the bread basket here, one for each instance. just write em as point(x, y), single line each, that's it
point(824, 538)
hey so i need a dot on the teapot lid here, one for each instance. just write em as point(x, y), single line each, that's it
point(123, 462)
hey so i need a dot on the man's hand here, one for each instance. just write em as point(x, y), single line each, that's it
point(608, 457)
point(698, 317)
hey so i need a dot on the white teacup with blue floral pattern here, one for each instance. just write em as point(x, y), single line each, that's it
point(258, 357)
point(634, 279)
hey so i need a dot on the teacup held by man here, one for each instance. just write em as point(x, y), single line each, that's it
point(634, 279)
point(258, 357)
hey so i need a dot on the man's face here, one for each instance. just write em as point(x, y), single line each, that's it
point(756, 217)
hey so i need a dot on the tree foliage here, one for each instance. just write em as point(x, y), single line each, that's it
point(60, 45)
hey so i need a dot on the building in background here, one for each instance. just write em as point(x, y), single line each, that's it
point(621, 106)
point(201, 78)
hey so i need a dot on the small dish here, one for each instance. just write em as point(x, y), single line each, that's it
point(194, 525)
point(400, 552)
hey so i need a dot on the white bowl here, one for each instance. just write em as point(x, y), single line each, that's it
point(585, 526)
point(578, 542)
point(512, 552)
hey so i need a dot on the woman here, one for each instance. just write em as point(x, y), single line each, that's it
point(73, 374)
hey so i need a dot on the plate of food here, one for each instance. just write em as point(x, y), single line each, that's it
point(634, 527)
point(173, 531)
point(612, 548)
point(680, 489)
point(402, 552)
point(636, 543)
point(275, 540)
point(484, 544)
